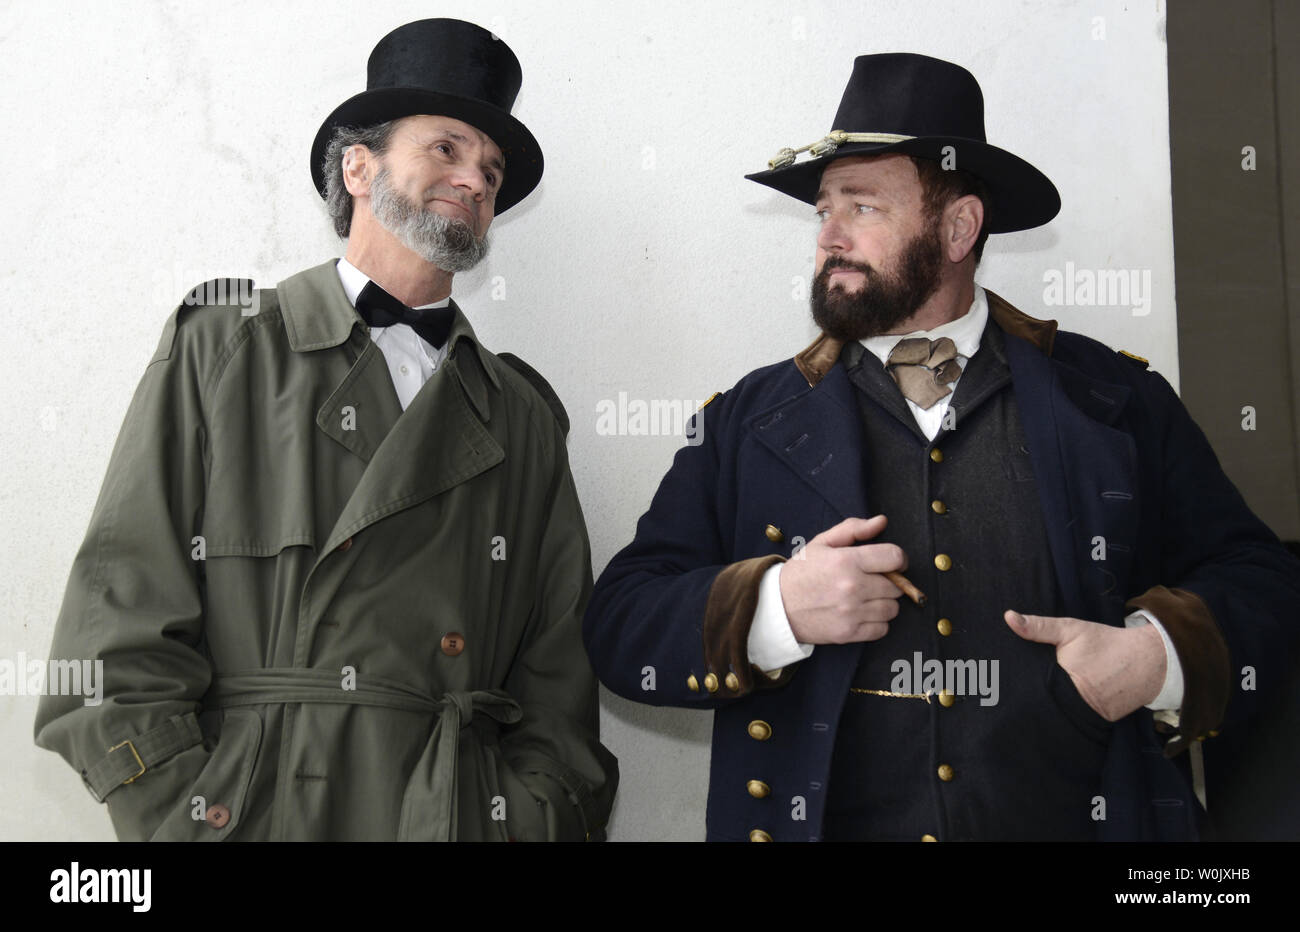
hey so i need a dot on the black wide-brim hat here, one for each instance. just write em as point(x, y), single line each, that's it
point(443, 67)
point(917, 105)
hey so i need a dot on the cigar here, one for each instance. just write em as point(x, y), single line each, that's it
point(913, 593)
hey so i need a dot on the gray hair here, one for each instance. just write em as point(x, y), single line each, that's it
point(337, 199)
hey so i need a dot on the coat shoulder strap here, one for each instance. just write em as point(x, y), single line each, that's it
point(239, 293)
point(543, 387)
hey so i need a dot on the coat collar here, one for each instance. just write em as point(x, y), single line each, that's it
point(318, 315)
point(440, 441)
point(824, 352)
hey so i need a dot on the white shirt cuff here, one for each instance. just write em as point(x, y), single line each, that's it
point(1171, 694)
point(772, 644)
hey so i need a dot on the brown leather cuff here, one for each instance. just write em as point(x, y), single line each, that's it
point(728, 616)
point(1203, 654)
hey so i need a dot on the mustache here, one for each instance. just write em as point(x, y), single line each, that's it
point(839, 262)
point(445, 194)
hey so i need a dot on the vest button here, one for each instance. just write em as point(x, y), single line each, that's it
point(759, 835)
point(936, 455)
point(774, 534)
point(760, 730)
point(758, 789)
point(938, 507)
point(943, 561)
point(692, 683)
point(946, 773)
point(945, 627)
point(946, 699)
point(733, 682)
point(928, 838)
point(711, 683)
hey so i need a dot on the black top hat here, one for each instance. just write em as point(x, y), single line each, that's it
point(917, 105)
point(444, 67)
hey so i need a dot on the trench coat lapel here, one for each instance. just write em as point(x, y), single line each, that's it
point(437, 443)
point(363, 407)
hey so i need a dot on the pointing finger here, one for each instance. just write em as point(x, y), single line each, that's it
point(1038, 628)
point(850, 531)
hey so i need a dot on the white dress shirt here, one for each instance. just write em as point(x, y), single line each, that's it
point(411, 359)
point(772, 644)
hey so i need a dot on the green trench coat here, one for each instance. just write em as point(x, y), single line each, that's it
point(322, 617)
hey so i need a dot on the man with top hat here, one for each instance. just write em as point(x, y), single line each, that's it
point(337, 568)
point(949, 573)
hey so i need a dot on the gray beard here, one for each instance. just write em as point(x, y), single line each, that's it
point(449, 244)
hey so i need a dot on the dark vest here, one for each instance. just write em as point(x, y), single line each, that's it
point(1019, 763)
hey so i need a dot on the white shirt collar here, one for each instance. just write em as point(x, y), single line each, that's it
point(354, 280)
point(965, 331)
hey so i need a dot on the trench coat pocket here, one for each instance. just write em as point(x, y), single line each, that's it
point(222, 784)
point(525, 816)
point(532, 804)
point(560, 808)
point(1071, 704)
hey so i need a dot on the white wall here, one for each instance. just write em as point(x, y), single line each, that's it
point(152, 146)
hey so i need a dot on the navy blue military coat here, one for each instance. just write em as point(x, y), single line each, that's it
point(1114, 454)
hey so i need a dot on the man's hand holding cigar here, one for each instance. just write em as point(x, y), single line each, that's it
point(836, 590)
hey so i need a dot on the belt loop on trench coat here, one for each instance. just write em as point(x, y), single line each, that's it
point(429, 804)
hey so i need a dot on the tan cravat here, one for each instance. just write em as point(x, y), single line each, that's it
point(924, 368)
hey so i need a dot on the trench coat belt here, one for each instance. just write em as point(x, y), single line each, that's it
point(429, 804)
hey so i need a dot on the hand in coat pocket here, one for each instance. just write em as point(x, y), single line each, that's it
point(1116, 670)
point(213, 806)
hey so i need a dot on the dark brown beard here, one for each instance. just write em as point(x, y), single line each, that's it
point(884, 301)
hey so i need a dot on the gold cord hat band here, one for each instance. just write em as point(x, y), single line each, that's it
point(829, 143)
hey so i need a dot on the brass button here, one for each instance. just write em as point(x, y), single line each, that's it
point(938, 507)
point(453, 642)
point(692, 683)
point(758, 789)
point(774, 534)
point(945, 627)
point(943, 561)
point(1213, 733)
point(217, 816)
point(711, 683)
point(760, 730)
point(733, 682)
point(759, 835)
point(936, 455)
point(928, 838)
point(343, 547)
point(946, 699)
point(946, 773)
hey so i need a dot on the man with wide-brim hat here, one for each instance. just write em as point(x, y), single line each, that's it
point(949, 573)
point(338, 565)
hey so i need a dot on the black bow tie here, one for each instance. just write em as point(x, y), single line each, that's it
point(380, 309)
